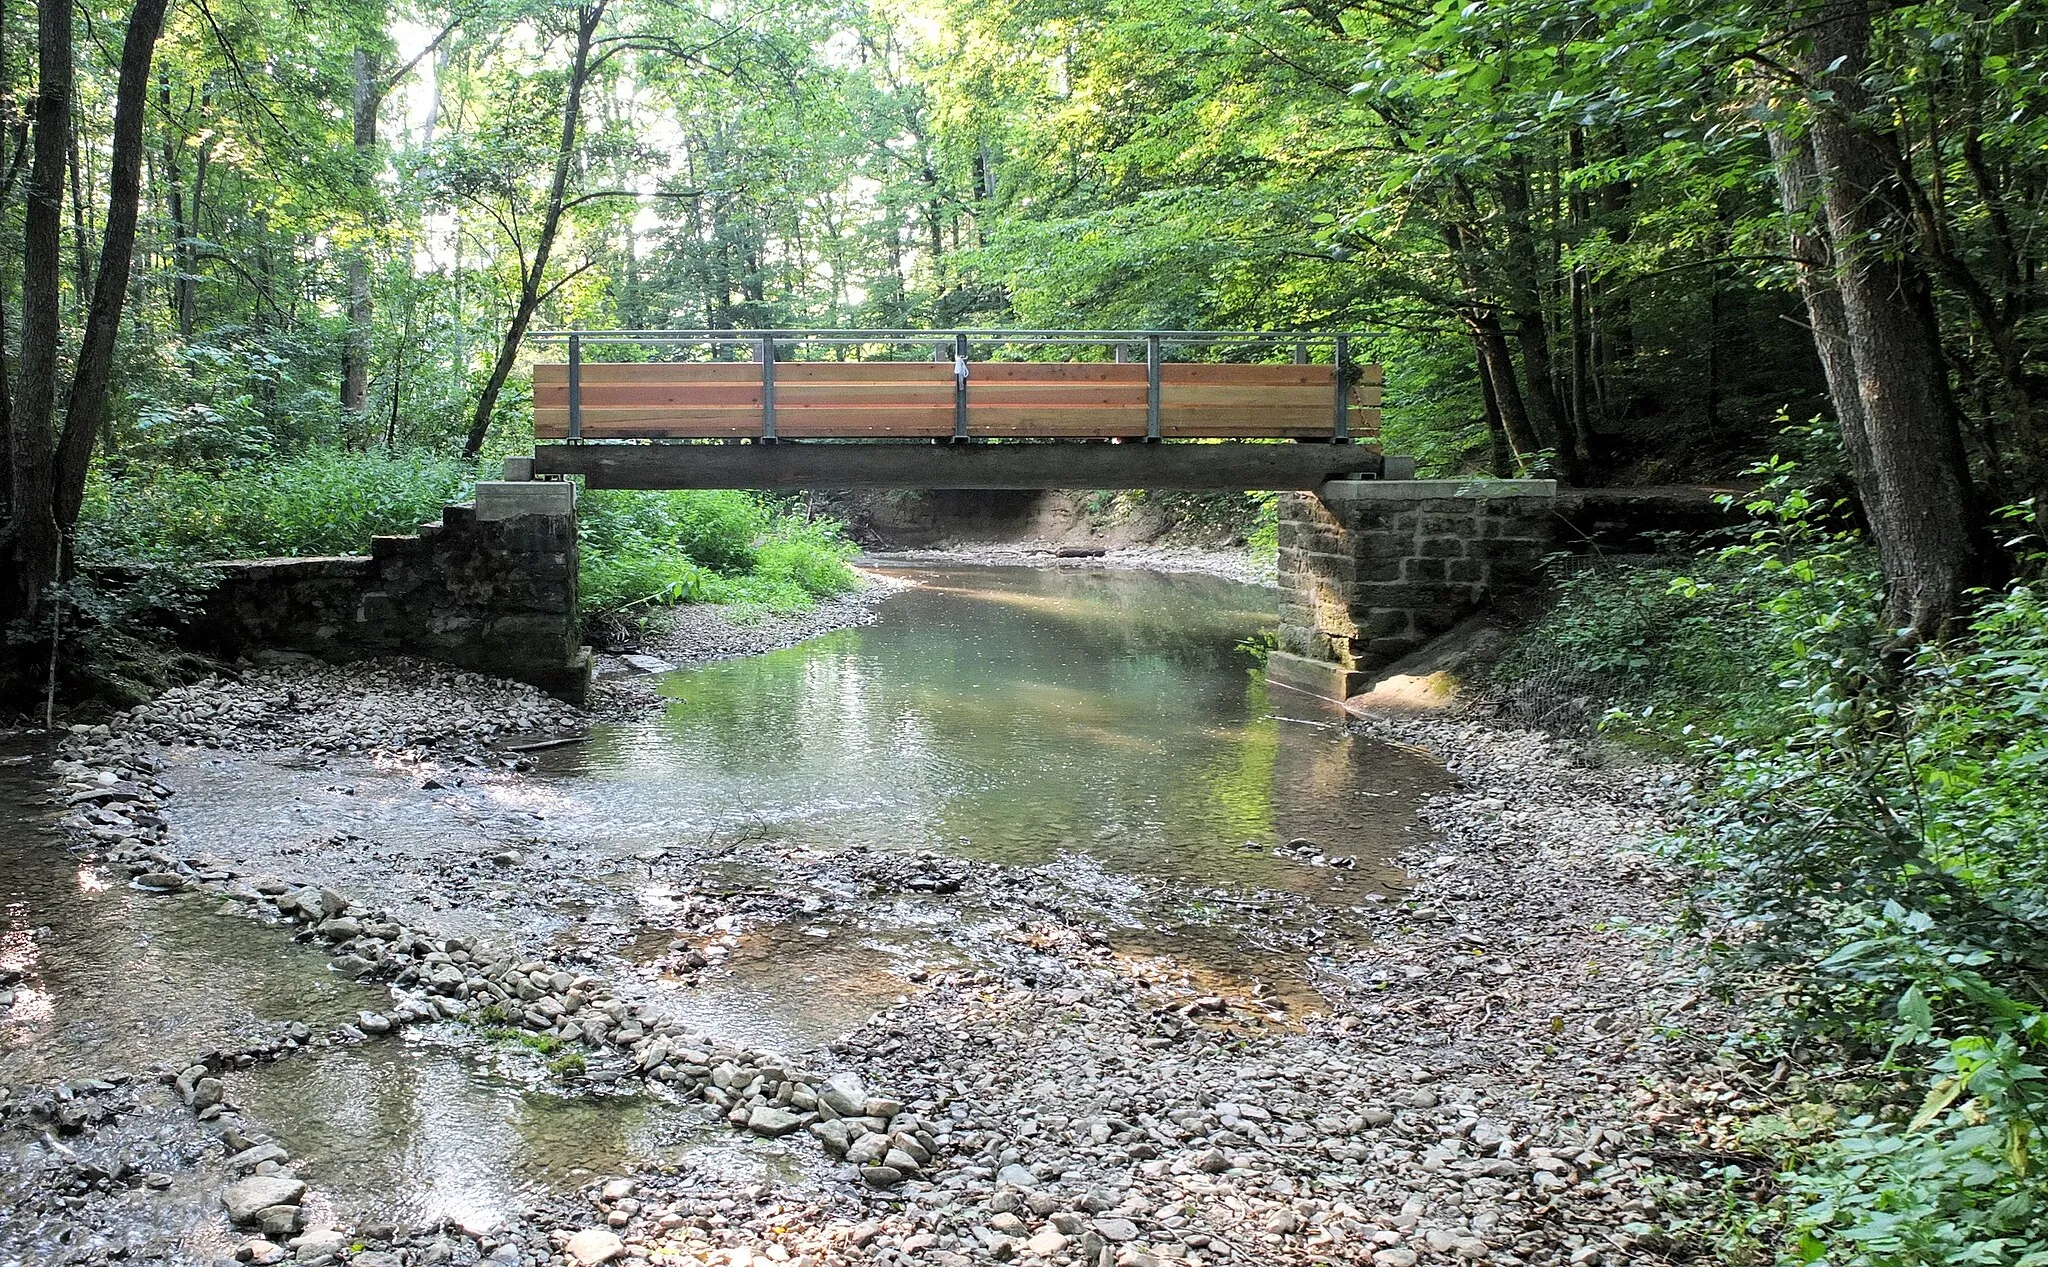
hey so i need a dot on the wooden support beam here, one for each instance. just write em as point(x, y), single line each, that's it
point(898, 464)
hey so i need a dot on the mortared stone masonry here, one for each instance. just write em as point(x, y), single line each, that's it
point(491, 587)
point(1371, 570)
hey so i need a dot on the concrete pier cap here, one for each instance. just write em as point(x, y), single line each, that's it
point(1372, 570)
point(509, 499)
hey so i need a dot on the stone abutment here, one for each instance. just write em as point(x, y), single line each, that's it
point(1371, 570)
point(491, 587)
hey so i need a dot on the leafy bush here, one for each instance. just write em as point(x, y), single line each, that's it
point(1671, 641)
point(1880, 849)
point(613, 584)
point(720, 529)
point(324, 501)
point(645, 550)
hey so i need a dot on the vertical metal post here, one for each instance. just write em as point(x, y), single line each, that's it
point(1151, 387)
point(1123, 353)
point(767, 353)
point(575, 387)
point(1301, 354)
point(1340, 363)
point(959, 387)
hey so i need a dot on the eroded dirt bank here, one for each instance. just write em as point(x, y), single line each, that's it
point(1461, 1070)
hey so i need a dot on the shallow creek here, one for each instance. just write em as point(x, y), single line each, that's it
point(1104, 729)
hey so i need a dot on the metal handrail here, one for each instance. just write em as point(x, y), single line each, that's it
point(936, 335)
point(956, 344)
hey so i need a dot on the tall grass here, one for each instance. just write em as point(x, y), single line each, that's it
point(640, 550)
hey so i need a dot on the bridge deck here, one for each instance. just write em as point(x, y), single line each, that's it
point(909, 400)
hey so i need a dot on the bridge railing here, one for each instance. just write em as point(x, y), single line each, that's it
point(959, 384)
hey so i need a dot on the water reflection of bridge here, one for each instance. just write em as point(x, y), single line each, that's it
point(955, 409)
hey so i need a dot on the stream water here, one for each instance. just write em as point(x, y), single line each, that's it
point(1104, 720)
point(1012, 715)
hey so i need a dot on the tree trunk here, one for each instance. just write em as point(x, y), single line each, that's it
point(1498, 364)
point(1532, 333)
point(1502, 457)
point(1914, 483)
point(355, 351)
point(1799, 191)
point(173, 176)
point(92, 379)
point(81, 249)
point(587, 19)
point(32, 538)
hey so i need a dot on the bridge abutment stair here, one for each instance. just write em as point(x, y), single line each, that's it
point(491, 587)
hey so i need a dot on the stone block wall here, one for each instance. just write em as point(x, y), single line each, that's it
point(1370, 570)
point(491, 587)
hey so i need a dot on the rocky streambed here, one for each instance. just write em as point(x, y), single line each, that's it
point(729, 1045)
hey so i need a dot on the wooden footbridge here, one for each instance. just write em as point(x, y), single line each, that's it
point(954, 409)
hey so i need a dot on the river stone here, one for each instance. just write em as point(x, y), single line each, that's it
point(844, 1093)
point(772, 1122)
point(593, 1245)
point(881, 1176)
point(319, 1243)
point(278, 1220)
point(835, 1135)
point(261, 1253)
point(250, 1158)
point(249, 1198)
point(107, 793)
point(353, 965)
point(1046, 1244)
point(870, 1147)
point(897, 1159)
point(1017, 1176)
point(161, 881)
point(1117, 1231)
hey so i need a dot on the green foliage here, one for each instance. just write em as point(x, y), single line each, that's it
point(324, 501)
point(719, 529)
point(1870, 830)
point(1657, 644)
point(1879, 849)
point(645, 550)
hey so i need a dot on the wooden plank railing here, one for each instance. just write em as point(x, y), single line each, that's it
point(771, 397)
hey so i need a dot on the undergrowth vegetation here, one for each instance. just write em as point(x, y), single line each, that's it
point(1869, 828)
point(322, 501)
point(642, 551)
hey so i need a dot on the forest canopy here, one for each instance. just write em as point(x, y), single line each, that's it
point(1611, 240)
